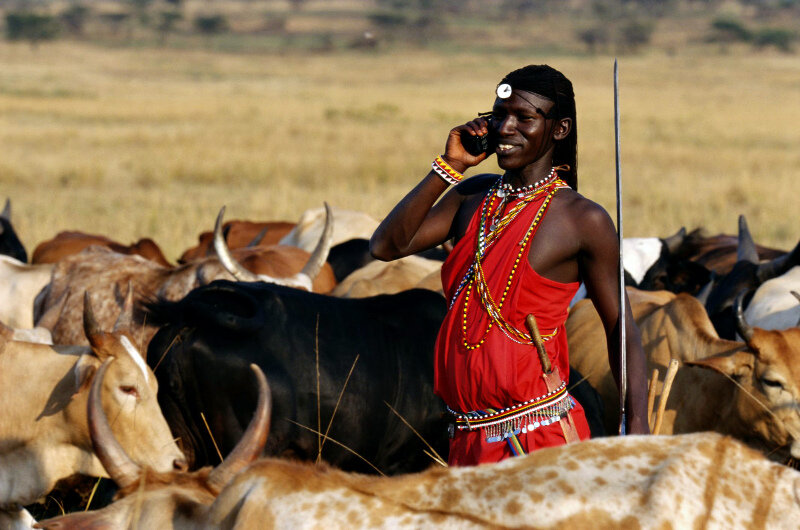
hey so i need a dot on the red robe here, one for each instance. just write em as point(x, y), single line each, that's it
point(501, 373)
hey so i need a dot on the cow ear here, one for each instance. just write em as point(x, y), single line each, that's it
point(84, 371)
point(735, 365)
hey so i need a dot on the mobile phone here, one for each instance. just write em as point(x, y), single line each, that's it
point(475, 145)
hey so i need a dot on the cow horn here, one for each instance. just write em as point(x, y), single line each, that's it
point(125, 319)
point(122, 470)
point(90, 326)
point(6, 214)
point(744, 329)
point(781, 264)
point(702, 296)
point(746, 249)
point(259, 237)
point(225, 257)
point(674, 241)
point(323, 248)
point(253, 440)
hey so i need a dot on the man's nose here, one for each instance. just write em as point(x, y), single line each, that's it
point(505, 127)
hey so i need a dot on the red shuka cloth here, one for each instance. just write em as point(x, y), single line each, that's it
point(501, 373)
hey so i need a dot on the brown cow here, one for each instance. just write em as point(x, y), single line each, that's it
point(69, 243)
point(752, 391)
point(108, 274)
point(239, 234)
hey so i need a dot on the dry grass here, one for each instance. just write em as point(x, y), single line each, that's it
point(133, 143)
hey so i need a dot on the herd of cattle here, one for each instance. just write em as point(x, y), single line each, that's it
point(276, 372)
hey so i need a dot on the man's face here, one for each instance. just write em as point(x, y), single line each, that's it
point(524, 135)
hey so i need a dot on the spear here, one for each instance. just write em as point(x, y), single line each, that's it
point(623, 384)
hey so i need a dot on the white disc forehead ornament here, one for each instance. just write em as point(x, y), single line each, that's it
point(504, 91)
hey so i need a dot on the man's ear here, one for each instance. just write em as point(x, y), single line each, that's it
point(562, 128)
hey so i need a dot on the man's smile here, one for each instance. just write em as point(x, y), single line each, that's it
point(505, 148)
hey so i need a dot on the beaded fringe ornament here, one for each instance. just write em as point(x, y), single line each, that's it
point(475, 275)
point(498, 425)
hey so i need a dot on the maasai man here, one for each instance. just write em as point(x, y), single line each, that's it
point(523, 242)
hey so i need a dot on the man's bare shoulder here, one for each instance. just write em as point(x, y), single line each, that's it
point(585, 214)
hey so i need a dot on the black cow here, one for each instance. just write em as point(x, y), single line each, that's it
point(202, 352)
point(747, 274)
point(349, 256)
point(210, 337)
point(10, 244)
point(353, 254)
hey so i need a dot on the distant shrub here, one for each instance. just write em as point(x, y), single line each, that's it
point(74, 18)
point(594, 37)
point(387, 19)
point(727, 29)
point(210, 24)
point(635, 33)
point(782, 39)
point(33, 27)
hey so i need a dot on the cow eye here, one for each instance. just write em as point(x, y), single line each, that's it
point(130, 390)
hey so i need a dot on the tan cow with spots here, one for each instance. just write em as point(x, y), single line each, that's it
point(749, 390)
point(690, 481)
point(701, 480)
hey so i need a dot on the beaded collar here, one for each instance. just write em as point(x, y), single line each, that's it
point(506, 189)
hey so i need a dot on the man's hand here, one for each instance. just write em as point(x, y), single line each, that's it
point(454, 153)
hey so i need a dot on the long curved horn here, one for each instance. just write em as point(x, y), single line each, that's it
point(744, 329)
point(122, 470)
point(253, 440)
point(674, 241)
point(323, 248)
point(125, 319)
point(225, 257)
point(781, 264)
point(746, 249)
point(90, 326)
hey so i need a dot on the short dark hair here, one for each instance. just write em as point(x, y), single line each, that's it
point(548, 82)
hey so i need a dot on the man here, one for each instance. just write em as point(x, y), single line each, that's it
point(523, 242)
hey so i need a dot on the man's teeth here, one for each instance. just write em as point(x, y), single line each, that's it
point(505, 147)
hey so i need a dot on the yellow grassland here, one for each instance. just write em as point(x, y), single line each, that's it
point(152, 142)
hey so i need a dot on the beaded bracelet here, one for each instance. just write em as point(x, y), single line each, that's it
point(444, 170)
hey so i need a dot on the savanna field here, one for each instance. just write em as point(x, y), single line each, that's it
point(150, 142)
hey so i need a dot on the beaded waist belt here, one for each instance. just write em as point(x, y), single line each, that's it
point(500, 424)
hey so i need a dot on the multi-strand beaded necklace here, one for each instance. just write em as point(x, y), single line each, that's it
point(488, 233)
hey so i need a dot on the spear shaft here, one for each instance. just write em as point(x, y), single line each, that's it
point(623, 368)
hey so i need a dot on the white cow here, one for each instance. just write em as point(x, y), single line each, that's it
point(44, 391)
point(19, 285)
point(347, 224)
point(773, 305)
